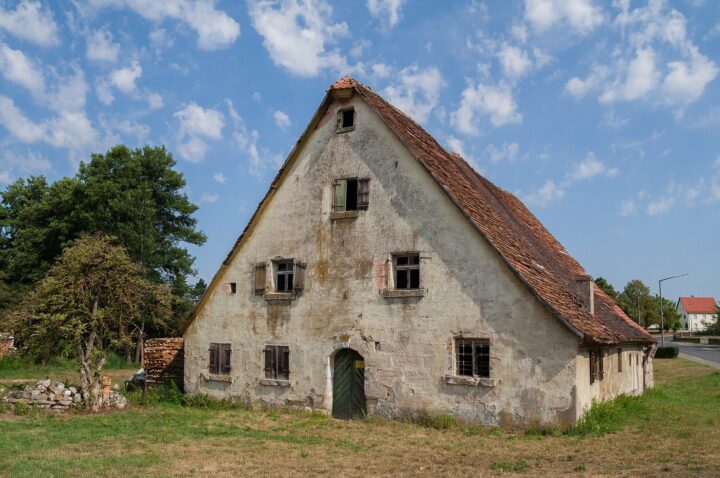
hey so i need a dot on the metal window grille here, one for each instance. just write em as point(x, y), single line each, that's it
point(473, 357)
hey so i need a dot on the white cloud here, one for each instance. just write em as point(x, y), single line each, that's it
point(640, 78)
point(587, 168)
point(160, 40)
point(386, 10)
point(655, 60)
point(220, 177)
point(580, 15)
point(660, 206)
point(20, 69)
point(381, 71)
point(29, 162)
point(100, 47)
point(30, 22)
point(296, 33)
point(124, 78)
point(515, 62)
point(504, 152)
point(103, 91)
point(19, 125)
point(494, 101)
point(155, 101)
point(417, 93)
point(282, 120)
point(628, 208)
point(545, 195)
point(215, 28)
point(196, 125)
point(5, 177)
point(579, 88)
point(258, 160)
point(209, 198)
point(686, 81)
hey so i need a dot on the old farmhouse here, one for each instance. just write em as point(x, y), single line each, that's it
point(382, 275)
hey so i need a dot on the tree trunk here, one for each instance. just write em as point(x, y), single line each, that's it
point(128, 355)
point(89, 371)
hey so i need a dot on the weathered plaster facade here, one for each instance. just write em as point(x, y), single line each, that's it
point(539, 367)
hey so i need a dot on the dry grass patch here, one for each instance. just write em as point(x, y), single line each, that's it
point(665, 433)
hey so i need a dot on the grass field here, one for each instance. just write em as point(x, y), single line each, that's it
point(674, 430)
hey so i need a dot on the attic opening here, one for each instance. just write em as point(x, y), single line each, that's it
point(346, 119)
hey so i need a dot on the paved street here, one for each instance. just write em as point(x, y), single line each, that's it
point(710, 353)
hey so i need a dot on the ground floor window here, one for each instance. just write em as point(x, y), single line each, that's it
point(472, 357)
point(596, 365)
point(277, 362)
point(220, 359)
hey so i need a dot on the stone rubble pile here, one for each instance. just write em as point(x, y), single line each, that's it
point(54, 396)
point(46, 394)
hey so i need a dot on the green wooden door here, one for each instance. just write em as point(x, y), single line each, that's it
point(349, 385)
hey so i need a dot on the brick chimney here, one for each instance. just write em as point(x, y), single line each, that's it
point(585, 291)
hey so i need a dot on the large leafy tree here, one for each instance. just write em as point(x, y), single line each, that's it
point(93, 299)
point(644, 308)
point(135, 195)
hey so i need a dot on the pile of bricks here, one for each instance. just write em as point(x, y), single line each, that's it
point(6, 344)
point(163, 361)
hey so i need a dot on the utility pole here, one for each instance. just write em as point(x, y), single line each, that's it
point(662, 320)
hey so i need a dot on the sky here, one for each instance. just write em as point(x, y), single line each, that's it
point(602, 116)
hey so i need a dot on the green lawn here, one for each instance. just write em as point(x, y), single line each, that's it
point(17, 369)
point(674, 430)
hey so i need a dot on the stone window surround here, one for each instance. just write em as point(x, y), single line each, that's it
point(390, 292)
point(340, 113)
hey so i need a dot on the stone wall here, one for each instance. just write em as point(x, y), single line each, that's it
point(6, 344)
point(47, 394)
point(163, 361)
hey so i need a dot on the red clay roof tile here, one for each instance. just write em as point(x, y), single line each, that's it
point(699, 305)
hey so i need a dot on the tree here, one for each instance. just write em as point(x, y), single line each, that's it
point(636, 301)
point(606, 287)
point(134, 195)
point(91, 297)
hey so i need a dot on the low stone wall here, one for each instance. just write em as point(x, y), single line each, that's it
point(164, 361)
point(56, 397)
point(6, 344)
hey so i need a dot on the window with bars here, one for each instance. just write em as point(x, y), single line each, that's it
point(277, 362)
point(472, 357)
point(220, 359)
point(619, 357)
point(407, 271)
point(351, 194)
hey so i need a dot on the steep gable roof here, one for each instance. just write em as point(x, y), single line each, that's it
point(699, 305)
point(531, 252)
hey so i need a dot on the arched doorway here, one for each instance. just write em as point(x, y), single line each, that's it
point(349, 385)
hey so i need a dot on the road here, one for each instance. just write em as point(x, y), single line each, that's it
point(710, 353)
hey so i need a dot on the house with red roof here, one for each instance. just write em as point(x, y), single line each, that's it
point(382, 275)
point(696, 313)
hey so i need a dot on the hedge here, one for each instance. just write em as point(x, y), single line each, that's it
point(667, 352)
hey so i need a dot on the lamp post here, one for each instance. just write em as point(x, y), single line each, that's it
point(662, 320)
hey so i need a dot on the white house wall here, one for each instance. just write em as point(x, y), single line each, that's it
point(407, 343)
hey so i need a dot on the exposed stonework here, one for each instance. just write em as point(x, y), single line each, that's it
point(163, 361)
point(539, 365)
point(56, 397)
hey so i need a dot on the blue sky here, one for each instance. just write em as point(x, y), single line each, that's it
point(602, 116)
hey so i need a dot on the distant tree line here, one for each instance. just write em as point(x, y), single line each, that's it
point(642, 307)
point(127, 206)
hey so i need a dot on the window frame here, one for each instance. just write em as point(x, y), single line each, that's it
point(220, 358)
point(361, 199)
point(408, 268)
point(480, 348)
point(288, 273)
point(276, 361)
point(340, 125)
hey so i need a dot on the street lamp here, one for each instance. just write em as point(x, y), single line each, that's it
point(662, 320)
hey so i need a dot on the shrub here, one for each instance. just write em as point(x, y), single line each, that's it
point(604, 417)
point(667, 352)
point(172, 395)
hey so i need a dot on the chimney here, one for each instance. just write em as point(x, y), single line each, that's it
point(585, 289)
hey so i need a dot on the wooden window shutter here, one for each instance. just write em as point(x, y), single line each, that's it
point(363, 197)
point(269, 366)
point(299, 277)
point(225, 363)
point(339, 195)
point(213, 358)
point(260, 271)
point(593, 367)
point(284, 366)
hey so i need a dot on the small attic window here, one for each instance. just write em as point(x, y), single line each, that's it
point(346, 120)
